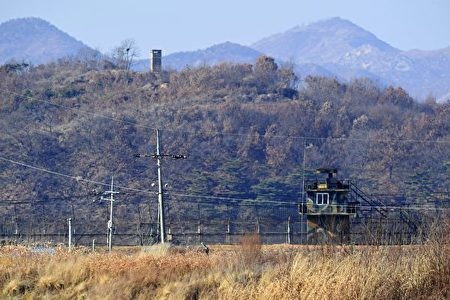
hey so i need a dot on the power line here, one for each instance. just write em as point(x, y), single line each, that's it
point(309, 173)
point(229, 199)
point(253, 202)
point(77, 178)
point(226, 134)
point(78, 109)
point(293, 203)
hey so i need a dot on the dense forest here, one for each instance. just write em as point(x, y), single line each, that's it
point(248, 132)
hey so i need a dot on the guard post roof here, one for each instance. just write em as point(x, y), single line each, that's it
point(326, 170)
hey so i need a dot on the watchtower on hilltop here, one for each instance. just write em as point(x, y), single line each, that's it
point(156, 60)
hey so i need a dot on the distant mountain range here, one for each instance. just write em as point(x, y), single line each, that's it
point(37, 41)
point(349, 51)
point(333, 47)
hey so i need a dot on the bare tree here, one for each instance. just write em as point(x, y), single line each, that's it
point(124, 54)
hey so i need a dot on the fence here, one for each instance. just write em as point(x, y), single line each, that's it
point(192, 223)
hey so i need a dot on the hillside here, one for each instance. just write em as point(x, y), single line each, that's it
point(245, 130)
point(36, 41)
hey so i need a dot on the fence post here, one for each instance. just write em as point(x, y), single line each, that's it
point(69, 220)
point(288, 231)
point(199, 232)
point(228, 233)
point(169, 234)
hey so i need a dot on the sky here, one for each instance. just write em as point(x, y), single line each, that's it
point(180, 25)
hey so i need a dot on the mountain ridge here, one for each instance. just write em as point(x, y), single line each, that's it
point(214, 54)
point(37, 41)
point(330, 47)
point(348, 50)
point(333, 34)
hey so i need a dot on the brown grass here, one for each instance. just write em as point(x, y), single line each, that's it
point(246, 271)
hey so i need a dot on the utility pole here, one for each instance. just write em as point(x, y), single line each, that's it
point(160, 191)
point(304, 166)
point(158, 156)
point(303, 227)
point(110, 224)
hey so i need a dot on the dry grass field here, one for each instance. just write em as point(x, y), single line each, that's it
point(246, 271)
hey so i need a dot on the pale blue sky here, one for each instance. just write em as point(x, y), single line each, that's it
point(177, 25)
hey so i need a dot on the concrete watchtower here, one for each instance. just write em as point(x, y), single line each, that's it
point(156, 60)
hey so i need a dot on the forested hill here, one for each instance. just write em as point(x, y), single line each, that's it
point(247, 131)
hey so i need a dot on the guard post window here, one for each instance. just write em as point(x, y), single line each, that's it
point(322, 198)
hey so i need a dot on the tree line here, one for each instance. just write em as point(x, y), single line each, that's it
point(248, 132)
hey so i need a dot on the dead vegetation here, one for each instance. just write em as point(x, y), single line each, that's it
point(246, 271)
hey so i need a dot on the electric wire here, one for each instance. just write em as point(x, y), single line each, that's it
point(230, 199)
point(226, 134)
point(76, 178)
point(79, 178)
point(195, 133)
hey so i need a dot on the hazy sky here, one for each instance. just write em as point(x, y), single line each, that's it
point(177, 25)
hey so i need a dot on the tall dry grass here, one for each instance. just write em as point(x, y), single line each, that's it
point(247, 271)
